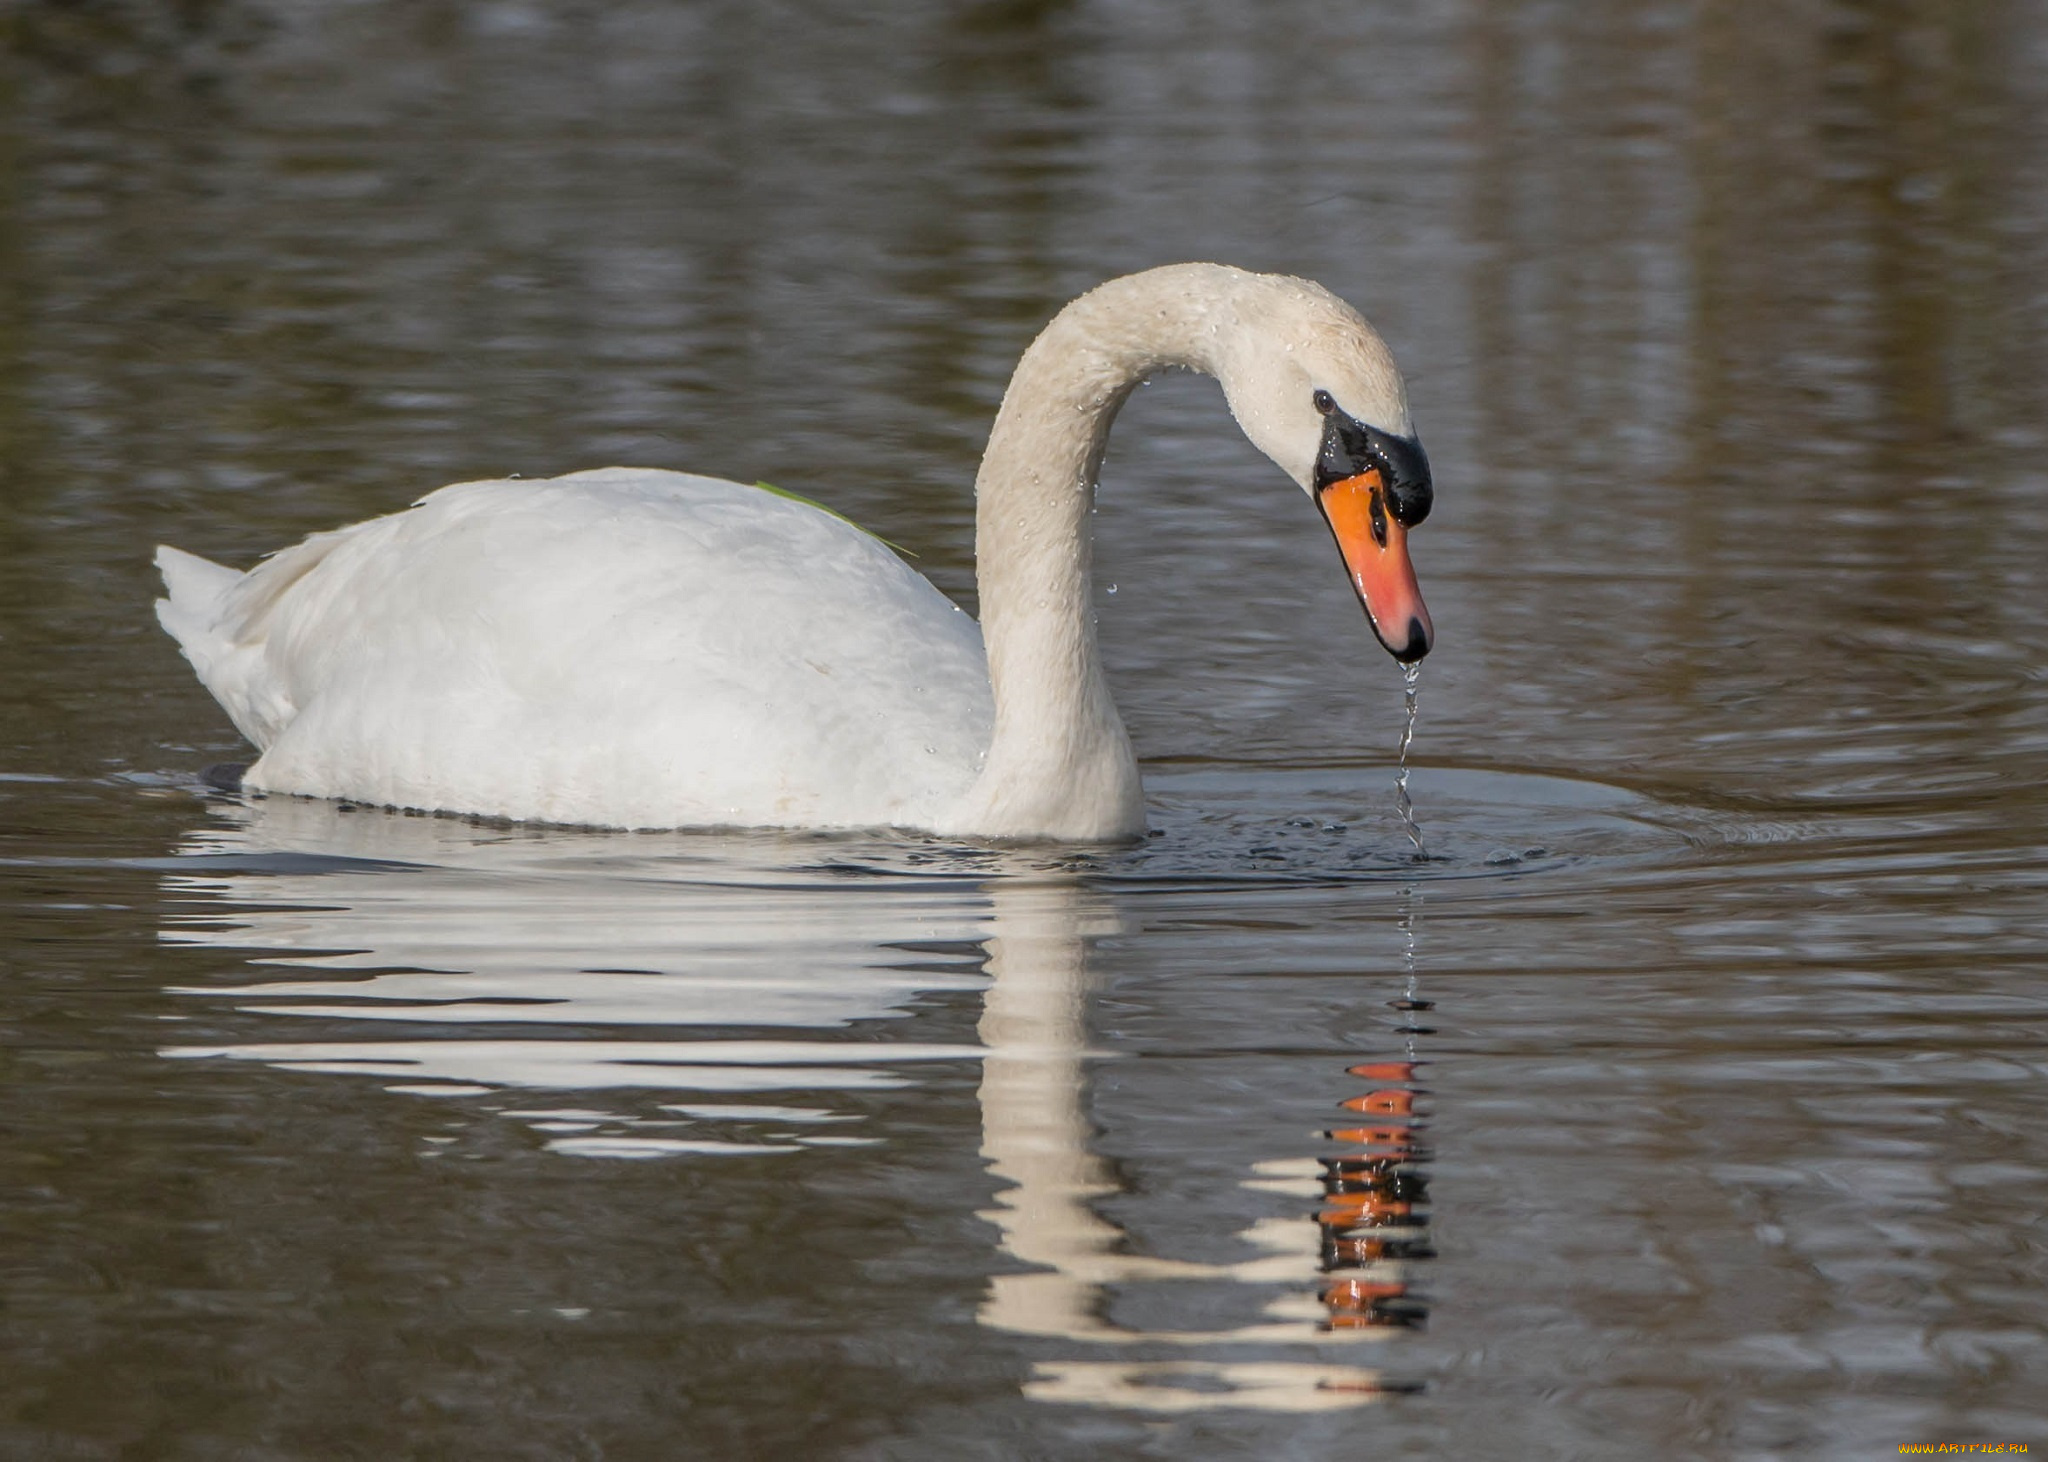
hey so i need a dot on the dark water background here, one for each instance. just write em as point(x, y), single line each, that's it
point(1709, 1045)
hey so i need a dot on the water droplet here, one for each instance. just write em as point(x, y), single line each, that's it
point(931, 751)
point(1112, 588)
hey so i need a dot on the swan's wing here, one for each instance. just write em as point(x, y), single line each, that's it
point(632, 648)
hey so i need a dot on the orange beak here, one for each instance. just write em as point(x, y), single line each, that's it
point(1375, 548)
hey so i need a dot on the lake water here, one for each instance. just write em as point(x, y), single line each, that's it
point(1685, 1101)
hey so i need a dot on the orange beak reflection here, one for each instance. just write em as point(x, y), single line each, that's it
point(1375, 549)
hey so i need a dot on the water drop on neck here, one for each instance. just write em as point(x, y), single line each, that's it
point(1112, 589)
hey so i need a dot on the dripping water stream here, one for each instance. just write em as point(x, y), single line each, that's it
point(1411, 677)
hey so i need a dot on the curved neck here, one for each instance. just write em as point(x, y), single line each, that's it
point(1059, 763)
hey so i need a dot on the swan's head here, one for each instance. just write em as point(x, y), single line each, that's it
point(1316, 389)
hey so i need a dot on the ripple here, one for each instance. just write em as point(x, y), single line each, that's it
point(1261, 825)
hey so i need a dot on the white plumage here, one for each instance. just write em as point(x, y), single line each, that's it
point(624, 647)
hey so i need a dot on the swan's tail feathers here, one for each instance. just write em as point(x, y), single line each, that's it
point(196, 613)
point(196, 587)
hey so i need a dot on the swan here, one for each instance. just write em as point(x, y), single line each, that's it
point(638, 648)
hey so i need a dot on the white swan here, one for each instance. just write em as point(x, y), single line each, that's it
point(647, 649)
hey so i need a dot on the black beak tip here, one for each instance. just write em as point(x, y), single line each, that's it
point(1419, 642)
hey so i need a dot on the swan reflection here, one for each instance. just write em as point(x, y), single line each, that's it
point(640, 972)
point(486, 933)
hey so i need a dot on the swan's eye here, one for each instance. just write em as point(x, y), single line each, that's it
point(1324, 402)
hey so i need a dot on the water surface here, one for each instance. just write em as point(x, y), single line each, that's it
point(1684, 1097)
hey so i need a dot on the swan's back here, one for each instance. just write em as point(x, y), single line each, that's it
point(625, 647)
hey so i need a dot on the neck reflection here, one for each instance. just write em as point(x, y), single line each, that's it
point(1345, 1275)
